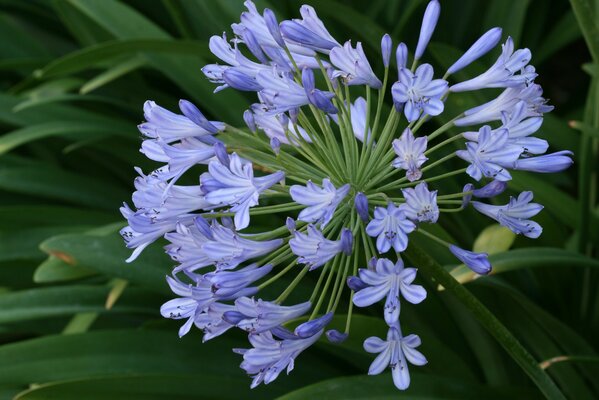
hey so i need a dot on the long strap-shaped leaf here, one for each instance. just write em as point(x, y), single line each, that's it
point(436, 272)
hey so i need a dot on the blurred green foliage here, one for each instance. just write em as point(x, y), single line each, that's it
point(77, 322)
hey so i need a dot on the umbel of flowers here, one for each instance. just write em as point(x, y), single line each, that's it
point(351, 182)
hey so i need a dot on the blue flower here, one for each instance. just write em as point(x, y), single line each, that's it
point(269, 357)
point(313, 327)
point(257, 316)
point(314, 250)
point(201, 245)
point(168, 127)
point(321, 202)
point(278, 126)
point(143, 229)
point(410, 154)
point(211, 321)
point(548, 163)
point(491, 156)
point(388, 280)
point(281, 93)
point(358, 111)
point(391, 227)
point(353, 66)
point(334, 336)
point(235, 185)
point(515, 214)
point(180, 157)
point(491, 189)
point(421, 204)
point(419, 92)
point(216, 286)
point(477, 262)
point(318, 98)
point(503, 72)
point(531, 95)
point(520, 126)
point(401, 56)
point(361, 205)
point(429, 22)
point(482, 46)
point(386, 45)
point(395, 352)
point(308, 31)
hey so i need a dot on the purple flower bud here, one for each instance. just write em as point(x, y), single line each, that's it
point(468, 194)
point(386, 44)
point(195, 115)
point(429, 22)
point(293, 114)
point(356, 284)
point(253, 45)
point(481, 47)
point(310, 328)
point(548, 163)
point(491, 189)
point(233, 317)
point(361, 204)
point(335, 336)
point(347, 241)
point(275, 145)
point(221, 153)
point(248, 117)
point(273, 26)
point(240, 81)
point(477, 262)
point(290, 223)
point(203, 226)
point(283, 333)
point(319, 98)
point(372, 263)
point(401, 56)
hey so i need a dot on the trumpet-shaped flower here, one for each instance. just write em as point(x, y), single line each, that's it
point(410, 154)
point(353, 66)
point(321, 201)
point(391, 227)
point(395, 352)
point(235, 185)
point(388, 280)
point(515, 214)
point(491, 156)
point(314, 250)
point(421, 204)
point(418, 92)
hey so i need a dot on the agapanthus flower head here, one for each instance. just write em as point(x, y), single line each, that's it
point(336, 177)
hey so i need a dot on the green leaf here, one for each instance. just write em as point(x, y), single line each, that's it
point(96, 55)
point(435, 272)
point(107, 255)
point(494, 239)
point(119, 353)
point(22, 244)
point(422, 387)
point(534, 257)
point(112, 74)
point(77, 130)
point(54, 183)
point(146, 387)
point(57, 301)
point(586, 14)
point(54, 269)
